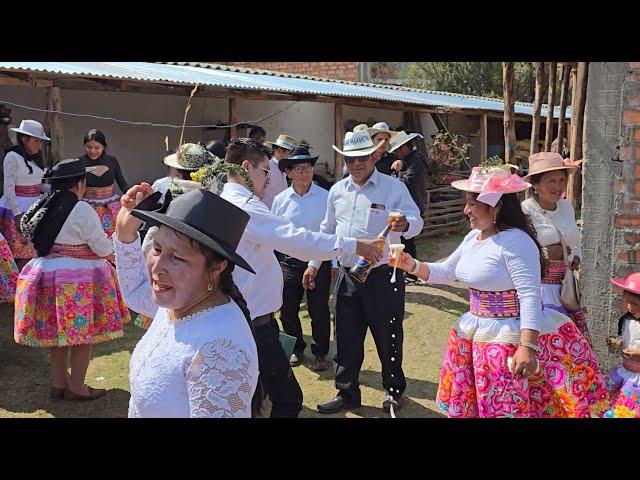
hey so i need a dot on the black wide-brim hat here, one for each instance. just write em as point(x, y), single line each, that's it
point(205, 218)
point(70, 168)
point(298, 156)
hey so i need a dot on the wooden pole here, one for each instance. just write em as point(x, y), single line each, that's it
point(483, 137)
point(535, 126)
point(233, 117)
point(339, 137)
point(56, 133)
point(564, 98)
point(509, 113)
point(574, 187)
point(548, 139)
point(5, 142)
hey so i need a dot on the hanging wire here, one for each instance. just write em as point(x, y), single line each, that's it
point(149, 124)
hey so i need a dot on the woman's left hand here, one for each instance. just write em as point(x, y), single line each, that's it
point(524, 362)
point(575, 265)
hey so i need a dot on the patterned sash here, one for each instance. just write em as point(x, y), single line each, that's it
point(98, 193)
point(28, 190)
point(76, 251)
point(502, 304)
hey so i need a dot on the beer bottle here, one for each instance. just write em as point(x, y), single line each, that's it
point(360, 271)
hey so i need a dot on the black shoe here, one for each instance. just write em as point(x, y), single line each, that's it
point(320, 364)
point(390, 400)
point(337, 404)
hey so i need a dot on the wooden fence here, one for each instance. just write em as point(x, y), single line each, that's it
point(443, 211)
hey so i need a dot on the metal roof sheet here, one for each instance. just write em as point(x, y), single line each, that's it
point(224, 76)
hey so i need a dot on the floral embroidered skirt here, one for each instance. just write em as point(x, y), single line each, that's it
point(475, 380)
point(21, 247)
point(8, 273)
point(68, 301)
point(551, 288)
point(107, 209)
point(625, 393)
point(143, 321)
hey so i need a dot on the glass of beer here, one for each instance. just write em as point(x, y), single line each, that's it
point(393, 215)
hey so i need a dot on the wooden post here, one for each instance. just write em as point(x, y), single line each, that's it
point(483, 137)
point(233, 117)
point(564, 97)
point(535, 126)
point(54, 120)
point(548, 139)
point(509, 113)
point(5, 142)
point(577, 127)
point(339, 136)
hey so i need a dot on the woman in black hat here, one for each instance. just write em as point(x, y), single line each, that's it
point(198, 358)
point(100, 182)
point(68, 297)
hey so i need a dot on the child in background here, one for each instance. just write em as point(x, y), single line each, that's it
point(625, 378)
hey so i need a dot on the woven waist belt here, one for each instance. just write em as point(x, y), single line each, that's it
point(28, 190)
point(555, 273)
point(502, 304)
point(97, 193)
point(76, 251)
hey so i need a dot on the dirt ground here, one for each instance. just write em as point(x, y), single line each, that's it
point(430, 311)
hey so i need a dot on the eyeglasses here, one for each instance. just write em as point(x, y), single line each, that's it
point(350, 160)
point(303, 169)
point(265, 170)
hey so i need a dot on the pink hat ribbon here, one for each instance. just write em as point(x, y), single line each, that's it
point(494, 184)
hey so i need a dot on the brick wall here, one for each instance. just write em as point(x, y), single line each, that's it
point(610, 194)
point(334, 70)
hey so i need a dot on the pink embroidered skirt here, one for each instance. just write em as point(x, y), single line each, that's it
point(70, 297)
point(106, 204)
point(624, 383)
point(551, 287)
point(21, 247)
point(8, 273)
point(475, 380)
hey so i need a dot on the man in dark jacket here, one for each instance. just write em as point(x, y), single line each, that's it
point(413, 175)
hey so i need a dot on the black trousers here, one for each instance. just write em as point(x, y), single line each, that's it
point(409, 246)
point(279, 382)
point(378, 305)
point(317, 304)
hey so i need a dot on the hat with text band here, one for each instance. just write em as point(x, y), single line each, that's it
point(284, 141)
point(358, 144)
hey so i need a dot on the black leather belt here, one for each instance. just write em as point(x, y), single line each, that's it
point(263, 320)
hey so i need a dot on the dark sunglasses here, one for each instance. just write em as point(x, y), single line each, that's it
point(350, 160)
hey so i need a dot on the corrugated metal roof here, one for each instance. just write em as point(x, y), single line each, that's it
point(225, 76)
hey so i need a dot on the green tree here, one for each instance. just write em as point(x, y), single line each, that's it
point(471, 78)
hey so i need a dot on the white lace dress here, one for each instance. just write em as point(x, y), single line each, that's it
point(203, 365)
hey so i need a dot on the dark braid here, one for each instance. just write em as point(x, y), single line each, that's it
point(511, 215)
point(229, 288)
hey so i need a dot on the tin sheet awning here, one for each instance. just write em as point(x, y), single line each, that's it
point(224, 76)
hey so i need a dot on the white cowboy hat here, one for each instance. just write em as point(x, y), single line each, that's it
point(31, 128)
point(284, 141)
point(380, 127)
point(358, 144)
point(400, 138)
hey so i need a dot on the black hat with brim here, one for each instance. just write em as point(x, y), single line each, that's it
point(70, 168)
point(206, 218)
point(298, 156)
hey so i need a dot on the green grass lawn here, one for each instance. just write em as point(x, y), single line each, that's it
point(430, 311)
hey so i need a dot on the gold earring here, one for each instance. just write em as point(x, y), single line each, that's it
point(209, 287)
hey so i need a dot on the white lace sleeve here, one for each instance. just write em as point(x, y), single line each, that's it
point(221, 381)
point(134, 277)
point(10, 169)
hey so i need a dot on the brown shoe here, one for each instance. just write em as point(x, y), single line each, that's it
point(320, 364)
point(56, 393)
point(93, 394)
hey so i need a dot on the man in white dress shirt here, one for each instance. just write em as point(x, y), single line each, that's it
point(304, 204)
point(283, 146)
point(263, 234)
point(358, 206)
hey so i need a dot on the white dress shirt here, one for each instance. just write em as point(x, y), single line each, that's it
point(277, 183)
point(361, 212)
point(306, 211)
point(265, 233)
